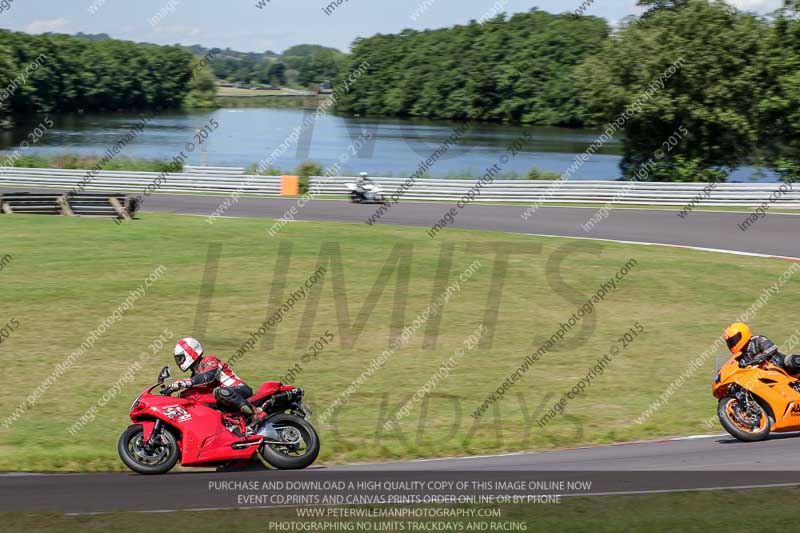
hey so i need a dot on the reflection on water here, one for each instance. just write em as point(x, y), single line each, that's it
point(246, 136)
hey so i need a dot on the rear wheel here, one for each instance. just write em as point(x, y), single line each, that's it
point(156, 459)
point(299, 446)
point(747, 421)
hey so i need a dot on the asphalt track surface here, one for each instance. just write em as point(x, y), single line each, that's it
point(702, 463)
point(773, 235)
point(706, 463)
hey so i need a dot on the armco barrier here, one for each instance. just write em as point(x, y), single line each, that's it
point(83, 204)
point(138, 182)
point(585, 192)
point(216, 181)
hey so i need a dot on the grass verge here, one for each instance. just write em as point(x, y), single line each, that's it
point(77, 162)
point(241, 92)
point(306, 102)
point(66, 275)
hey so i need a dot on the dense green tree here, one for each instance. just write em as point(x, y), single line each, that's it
point(63, 73)
point(723, 71)
point(202, 88)
point(654, 6)
point(516, 69)
point(305, 64)
point(780, 108)
point(317, 66)
point(277, 74)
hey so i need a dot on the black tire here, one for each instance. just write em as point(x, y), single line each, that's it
point(280, 459)
point(133, 437)
point(738, 429)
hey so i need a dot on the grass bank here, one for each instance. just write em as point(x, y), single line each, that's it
point(78, 162)
point(307, 102)
point(67, 275)
point(687, 512)
point(241, 92)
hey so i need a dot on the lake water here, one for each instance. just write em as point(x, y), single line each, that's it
point(397, 146)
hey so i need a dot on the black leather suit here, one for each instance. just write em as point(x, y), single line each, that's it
point(760, 348)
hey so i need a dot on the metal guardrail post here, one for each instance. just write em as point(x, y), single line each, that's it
point(121, 211)
point(63, 202)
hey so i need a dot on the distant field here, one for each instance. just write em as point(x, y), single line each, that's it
point(236, 91)
point(66, 275)
point(268, 100)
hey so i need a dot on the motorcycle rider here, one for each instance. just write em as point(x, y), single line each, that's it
point(756, 348)
point(211, 373)
point(364, 181)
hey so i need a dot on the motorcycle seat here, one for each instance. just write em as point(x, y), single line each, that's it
point(265, 391)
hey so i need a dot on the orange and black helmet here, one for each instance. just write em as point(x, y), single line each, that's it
point(737, 336)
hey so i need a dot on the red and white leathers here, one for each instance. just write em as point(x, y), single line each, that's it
point(210, 372)
point(210, 375)
point(206, 370)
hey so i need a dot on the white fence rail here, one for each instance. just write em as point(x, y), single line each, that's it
point(213, 171)
point(139, 181)
point(591, 192)
point(224, 181)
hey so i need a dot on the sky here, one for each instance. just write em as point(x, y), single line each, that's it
point(279, 24)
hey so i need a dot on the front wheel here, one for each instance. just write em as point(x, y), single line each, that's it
point(299, 445)
point(158, 459)
point(748, 423)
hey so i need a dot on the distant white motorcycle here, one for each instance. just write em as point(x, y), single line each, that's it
point(365, 191)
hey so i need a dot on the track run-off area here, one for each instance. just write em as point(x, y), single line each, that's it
point(704, 462)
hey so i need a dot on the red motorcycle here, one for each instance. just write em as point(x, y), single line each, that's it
point(194, 429)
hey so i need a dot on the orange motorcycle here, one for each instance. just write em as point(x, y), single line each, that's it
point(756, 399)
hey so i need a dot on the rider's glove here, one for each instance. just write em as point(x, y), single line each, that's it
point(754, 360)
point(181, 384)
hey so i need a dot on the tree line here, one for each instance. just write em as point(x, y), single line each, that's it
point(63, 73)
point(736, 92)
point(517, 69)
point(303, 64)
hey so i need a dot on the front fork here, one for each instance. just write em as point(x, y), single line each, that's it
point(153, 435)
point(746, 400)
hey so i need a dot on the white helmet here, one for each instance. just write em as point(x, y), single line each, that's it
point(187, 352)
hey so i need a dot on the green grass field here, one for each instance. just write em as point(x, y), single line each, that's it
point(238, 91)
point(66, 275)
point(748, 510)
point(78, 162)
point(268, 99)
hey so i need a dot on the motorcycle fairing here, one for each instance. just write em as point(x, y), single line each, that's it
point(202, 438)
point(770, 383)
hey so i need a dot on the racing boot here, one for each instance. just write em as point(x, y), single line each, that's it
point(256, 419)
